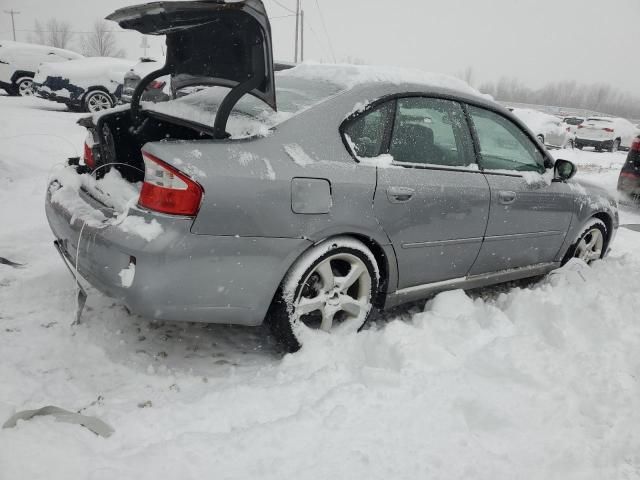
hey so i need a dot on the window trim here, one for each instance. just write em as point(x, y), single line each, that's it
point(547, 160)
point(473, 167)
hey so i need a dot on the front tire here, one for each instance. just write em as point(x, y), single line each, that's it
point(332, 287)
point(24, 87)
point(590, 244)
point(97, 101)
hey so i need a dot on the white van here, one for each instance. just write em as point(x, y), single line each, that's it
point(19, 62)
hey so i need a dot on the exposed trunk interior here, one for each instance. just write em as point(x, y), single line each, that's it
point(118, 143)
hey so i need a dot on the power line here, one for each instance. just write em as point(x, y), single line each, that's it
point(325, 31)
point(283, 6)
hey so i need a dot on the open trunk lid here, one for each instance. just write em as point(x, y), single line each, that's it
point(228, 43)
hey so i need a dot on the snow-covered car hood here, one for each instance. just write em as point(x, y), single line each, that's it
point(87, 72)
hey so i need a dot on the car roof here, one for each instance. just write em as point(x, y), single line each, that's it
point(10, 45)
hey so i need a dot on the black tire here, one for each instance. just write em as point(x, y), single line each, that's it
point(579, 146)
point(24, 87)
point(285, 325)
point(96, 101)
point(615, 146)
point(588, 227)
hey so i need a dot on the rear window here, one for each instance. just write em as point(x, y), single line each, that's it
point(250, 115)
point(574, 121)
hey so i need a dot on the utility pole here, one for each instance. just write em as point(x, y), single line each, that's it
point(13, 23)
point(295, 59)
point(302, 35)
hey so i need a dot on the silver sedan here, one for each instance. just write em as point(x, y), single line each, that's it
point(367, 189)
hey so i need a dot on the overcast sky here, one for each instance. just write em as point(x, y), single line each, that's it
point(534, 40)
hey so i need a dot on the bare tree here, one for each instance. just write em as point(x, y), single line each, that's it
point(101, 42)
point(56, 33)
point(468, 75)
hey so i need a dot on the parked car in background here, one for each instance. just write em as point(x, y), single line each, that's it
point(605, 133)
point(19, 62)
point(249, 214)
point(88, 84)
point(157, 91)
point(629, 179)
point(550, 130)
point(572, 123)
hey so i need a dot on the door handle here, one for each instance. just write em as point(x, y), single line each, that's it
point(507, 197)
point(400, 194)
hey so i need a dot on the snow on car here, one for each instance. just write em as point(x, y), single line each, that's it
point(550, 130)
point(605, 133)
point(89, 84)
point(19, 62)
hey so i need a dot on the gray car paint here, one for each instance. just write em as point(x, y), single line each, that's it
point(226, 265)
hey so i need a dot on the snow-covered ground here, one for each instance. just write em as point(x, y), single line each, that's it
point(537, 382)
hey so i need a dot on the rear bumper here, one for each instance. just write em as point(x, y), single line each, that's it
point(178, 275)
point(586, 142)
point(629, 185)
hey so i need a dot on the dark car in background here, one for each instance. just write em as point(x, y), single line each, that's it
point(156, 91)
point(629, 179)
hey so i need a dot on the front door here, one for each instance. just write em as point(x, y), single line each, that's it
point(432, 201)
point(530, 214)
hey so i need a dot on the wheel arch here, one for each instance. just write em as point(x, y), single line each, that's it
point(100, 88)
point(18, 74)
point(608, 222)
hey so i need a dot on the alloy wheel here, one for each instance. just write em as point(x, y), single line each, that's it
point(25, 88)
point(590, 246)
point(98, 101)
point(337, 290)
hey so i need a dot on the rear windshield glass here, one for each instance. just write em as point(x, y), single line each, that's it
point(250, 115)
point(573, 121)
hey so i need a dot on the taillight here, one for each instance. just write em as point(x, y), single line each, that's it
point(633, 175)
point(167, 190)
point(89, 160)
point(607, 129)
point(635, 146)
point(568, 129)
point(156, 85)
point(580, 126)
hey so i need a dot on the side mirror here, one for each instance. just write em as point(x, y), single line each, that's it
point(564, 170)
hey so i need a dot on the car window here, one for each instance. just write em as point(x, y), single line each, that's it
point(430, 131)
point(503, 145)
point(366, 132)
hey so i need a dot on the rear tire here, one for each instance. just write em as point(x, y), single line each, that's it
point(591, 244)
point(97, 101)
point(615, 145)
point(331, 287)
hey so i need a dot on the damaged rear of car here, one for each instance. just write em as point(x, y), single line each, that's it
point(124, 217)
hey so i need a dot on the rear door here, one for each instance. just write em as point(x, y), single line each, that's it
point(432, 201)
point(530, 214)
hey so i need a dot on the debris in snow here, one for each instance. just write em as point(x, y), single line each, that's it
point(94, 424)
point(127, 274)
point(6, 261)
point(298, 155)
